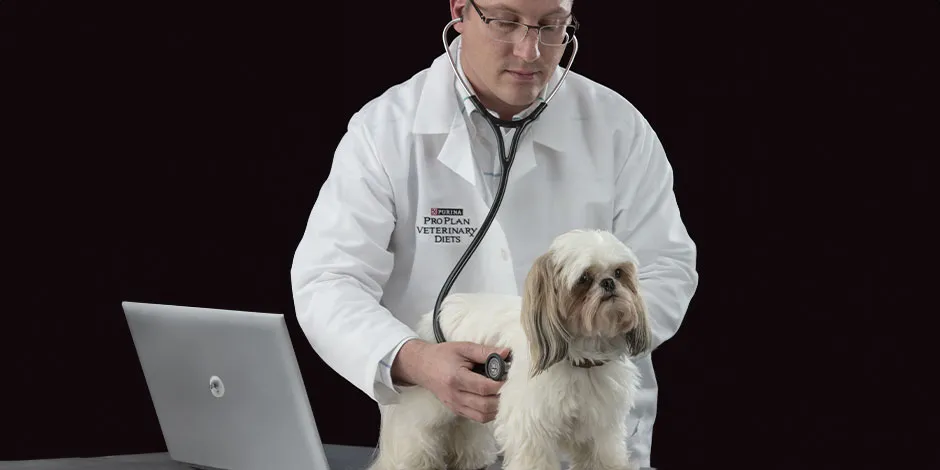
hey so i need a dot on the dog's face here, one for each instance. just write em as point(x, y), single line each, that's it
point(585, 286)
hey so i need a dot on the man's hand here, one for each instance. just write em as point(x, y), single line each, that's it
point(445, 370)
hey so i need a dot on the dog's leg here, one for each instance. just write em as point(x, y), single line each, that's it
point(524, 447)
point(414, 434)
point(530, 454)
point(472, 446)
point(607, 451)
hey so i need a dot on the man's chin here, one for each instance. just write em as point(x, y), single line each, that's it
point(520, 97)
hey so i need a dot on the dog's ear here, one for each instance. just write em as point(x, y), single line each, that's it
point(541, 317)
point(640, 338)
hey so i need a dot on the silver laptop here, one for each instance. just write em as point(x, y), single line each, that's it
point(226, 388)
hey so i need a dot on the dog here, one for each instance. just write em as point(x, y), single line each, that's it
point(573, 336)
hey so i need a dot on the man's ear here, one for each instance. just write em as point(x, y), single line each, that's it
point(458, 8)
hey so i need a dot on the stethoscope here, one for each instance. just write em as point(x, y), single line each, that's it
point(495, 367)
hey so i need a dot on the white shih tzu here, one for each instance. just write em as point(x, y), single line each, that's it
point(571, 383)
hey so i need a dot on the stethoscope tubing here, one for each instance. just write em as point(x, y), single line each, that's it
point(495, 367)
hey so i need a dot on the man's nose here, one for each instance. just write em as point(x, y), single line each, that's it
point(528, 47)
point(608, 284)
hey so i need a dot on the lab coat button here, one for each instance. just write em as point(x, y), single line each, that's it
point(505, 255)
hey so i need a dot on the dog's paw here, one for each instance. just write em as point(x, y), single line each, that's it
point(408, 462)
point(618, 467)
point(596, 466)
point(516, 466)
point(474, 460)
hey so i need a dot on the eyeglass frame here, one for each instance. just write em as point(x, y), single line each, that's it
point(574, 23)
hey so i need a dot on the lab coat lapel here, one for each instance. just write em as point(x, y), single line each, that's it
point(455, 153)
point(437, 103)
point(439, 113)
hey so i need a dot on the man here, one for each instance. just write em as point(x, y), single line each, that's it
point(415, 175)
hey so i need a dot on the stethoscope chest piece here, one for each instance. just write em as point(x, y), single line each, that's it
point(496, 367)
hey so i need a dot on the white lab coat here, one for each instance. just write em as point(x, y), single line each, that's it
point(405, 193)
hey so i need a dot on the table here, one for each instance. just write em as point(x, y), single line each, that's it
point(340, 457)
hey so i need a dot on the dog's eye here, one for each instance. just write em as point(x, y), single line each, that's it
point(584, 279)
point(618, 273)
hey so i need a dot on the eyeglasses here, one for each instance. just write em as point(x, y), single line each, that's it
point(514, 32)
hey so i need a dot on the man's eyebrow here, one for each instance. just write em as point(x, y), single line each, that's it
point(506, 8)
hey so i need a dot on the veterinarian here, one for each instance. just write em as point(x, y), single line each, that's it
point(414, 176)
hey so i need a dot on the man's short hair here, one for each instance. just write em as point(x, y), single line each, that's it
point(467, 6)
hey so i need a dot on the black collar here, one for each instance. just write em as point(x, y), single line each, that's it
point(587, 363)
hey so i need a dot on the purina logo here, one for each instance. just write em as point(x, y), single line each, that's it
point(443, 211)
point(445, 225)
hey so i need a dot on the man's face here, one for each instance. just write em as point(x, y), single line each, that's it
point(508, 77)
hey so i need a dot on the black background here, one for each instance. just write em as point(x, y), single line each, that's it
point(171, 151)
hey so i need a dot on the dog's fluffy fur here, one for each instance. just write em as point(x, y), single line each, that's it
point(581, 303)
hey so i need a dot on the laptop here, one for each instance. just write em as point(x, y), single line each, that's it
point(226, 388)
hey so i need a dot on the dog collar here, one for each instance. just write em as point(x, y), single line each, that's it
point(587, 363)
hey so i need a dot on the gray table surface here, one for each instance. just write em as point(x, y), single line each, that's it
point(340, 457)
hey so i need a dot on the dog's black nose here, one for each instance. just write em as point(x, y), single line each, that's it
point(608, 284)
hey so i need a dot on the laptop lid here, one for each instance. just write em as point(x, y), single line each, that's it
point(226, 387)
